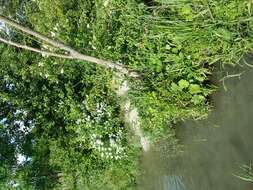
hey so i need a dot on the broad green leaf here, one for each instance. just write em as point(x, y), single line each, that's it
point(183, 84)
point(194, 89)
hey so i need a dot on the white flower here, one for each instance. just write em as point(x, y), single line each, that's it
point(41, 64)
point(78, 121)
point(56, 27)
point(62, 71)
point(112, 141)
point(19, 123)
point(46, 75)
point(106, 2)
point(52, 34)
point(98, 141)
point(25, 113)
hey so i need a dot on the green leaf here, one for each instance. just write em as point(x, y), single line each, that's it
point(174, 50)
point(197, 99)
point(201, 79)
point(174, 87)
point(167, 47)
point(186, 10)
point(194, 89)
point(224, 34)
point(183, 84)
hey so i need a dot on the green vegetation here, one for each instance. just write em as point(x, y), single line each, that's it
point(75, 135)
point(245, 173)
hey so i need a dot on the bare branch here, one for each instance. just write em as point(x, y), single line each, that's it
point(73, 54)
point(35, 49)
point(35, 34)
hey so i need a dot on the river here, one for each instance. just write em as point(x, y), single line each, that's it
point(214, 148)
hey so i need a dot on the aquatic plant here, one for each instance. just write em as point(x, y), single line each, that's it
point(245, 174)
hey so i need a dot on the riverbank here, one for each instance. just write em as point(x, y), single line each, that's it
point(78, 128)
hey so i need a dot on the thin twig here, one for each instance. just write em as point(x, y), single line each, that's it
point(232, 76)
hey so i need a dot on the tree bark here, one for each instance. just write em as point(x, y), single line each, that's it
point(72, 54)
point(47, 53)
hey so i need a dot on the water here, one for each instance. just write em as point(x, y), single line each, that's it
point(215, 147)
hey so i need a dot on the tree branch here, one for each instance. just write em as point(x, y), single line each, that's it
point(35, 34)
point(34, 49)
point(73, 54)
